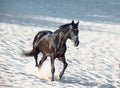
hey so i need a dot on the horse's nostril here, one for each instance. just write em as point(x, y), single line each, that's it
point(76, 43)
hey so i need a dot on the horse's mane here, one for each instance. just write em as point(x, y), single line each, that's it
point(62, 28)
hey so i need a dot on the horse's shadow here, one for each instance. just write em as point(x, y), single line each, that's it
point(83, 82)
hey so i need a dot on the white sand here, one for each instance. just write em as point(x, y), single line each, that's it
point(93, 64)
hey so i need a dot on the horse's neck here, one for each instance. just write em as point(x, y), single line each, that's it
point(62, 38)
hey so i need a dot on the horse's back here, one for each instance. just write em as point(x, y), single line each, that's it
point(40, 35)
point(43, 33)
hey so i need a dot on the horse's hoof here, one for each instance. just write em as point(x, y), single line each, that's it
point(60, 76)
point(52, 80)
point(36, 66)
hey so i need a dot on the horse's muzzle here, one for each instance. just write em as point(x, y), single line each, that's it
point(76, 43)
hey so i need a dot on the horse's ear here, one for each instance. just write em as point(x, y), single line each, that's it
point(72, 22)
point(77, 22)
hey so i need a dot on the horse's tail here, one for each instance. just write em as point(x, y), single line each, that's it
point(28, 53)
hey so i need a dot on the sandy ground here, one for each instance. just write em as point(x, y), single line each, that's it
point(95, 63)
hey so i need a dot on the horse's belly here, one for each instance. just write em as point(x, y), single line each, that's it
point(46, 48)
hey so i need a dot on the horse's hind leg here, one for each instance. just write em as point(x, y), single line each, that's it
point(42, 60)
point(65, 65)
point(52, 67)
point(36, 51)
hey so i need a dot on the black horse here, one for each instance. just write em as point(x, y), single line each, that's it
point(53, 44)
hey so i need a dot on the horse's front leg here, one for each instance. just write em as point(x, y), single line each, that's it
point(65, 66)
point(52, 67)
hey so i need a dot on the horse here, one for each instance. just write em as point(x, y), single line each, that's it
point(53, 45)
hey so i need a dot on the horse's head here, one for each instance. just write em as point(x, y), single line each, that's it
point(73, 33)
